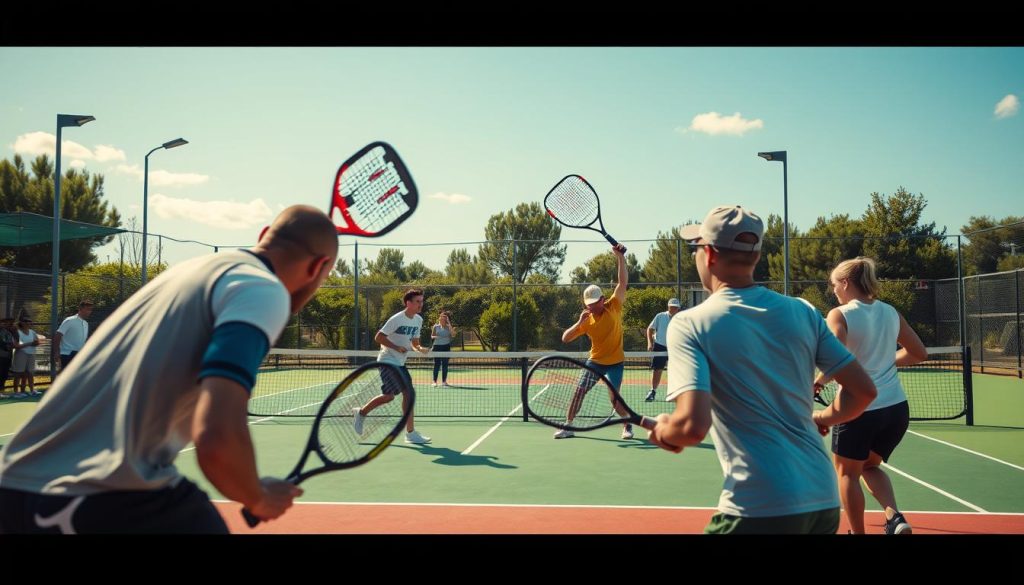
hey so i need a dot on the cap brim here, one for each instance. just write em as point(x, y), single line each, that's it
point(690, 232)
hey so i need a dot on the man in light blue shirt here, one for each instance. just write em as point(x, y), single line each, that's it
point(741, 364)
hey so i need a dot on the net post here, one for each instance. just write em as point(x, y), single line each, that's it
point(968, 385)
point(524, 366)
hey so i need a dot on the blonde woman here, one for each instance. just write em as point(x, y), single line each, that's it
point(870, 329)
point(442, 334)
point(24, 368)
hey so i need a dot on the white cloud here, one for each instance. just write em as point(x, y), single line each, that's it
point(714, 124)
point(36, 143)
point(163, 178)
point(229, 215)
point(453, 199)
point(77, 164)
point(105, 153)
point(168, 179)
point(1008, 106)
point(131, 170)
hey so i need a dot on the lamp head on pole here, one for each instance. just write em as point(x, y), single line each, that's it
point(174, 143)
point(65, 120)
point(775, 155)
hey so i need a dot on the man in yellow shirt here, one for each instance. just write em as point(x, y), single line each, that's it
point(601, 321)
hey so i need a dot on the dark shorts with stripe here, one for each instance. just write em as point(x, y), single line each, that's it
point(392, 386)
point(184, 509)
point(874, 430)
point(660, 362)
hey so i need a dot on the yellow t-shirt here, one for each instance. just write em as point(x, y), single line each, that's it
point(605, 334)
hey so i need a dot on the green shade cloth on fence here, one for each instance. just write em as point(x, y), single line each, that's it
point(27, 229)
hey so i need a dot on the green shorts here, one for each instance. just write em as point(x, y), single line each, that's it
point(817, 522)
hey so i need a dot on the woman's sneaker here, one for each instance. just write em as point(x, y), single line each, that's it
point(416, 438)
point(898, 525)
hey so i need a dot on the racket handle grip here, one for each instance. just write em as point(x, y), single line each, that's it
point(614, 242)
point(250, 519)
point(648, 423)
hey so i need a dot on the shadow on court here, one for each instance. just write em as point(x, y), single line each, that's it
point(446, 456)
point(634, 443)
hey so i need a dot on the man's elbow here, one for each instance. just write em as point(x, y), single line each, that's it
point(211, 447)
point(695, 430)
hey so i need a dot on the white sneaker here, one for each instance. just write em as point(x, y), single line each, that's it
point(357, 421)
point(627, 433)
point(446, 384)
point(564, 434)
point(416, 438)
point(433, 383)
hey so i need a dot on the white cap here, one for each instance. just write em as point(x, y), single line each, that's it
point(592, 294)
point(674, 302)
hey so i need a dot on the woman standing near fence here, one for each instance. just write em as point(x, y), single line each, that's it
point(442, 334)
point(24, 369)
point(870, 329)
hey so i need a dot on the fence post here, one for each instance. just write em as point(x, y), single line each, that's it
point(679, 268)
point(962, 304)
point(981, 322)
point(120, 291)
point(1016, 297)
point(515, 297)
point(355, 291)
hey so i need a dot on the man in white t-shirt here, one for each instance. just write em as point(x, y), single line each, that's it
point(656, 332)
point(399, 334)
point(72, 333)
point(741, 365)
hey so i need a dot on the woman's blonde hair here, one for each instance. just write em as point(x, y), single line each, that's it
point(861, 272)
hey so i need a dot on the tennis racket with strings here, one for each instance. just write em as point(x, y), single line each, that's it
point(566, 393)
point(339, 438)
point(573, 202)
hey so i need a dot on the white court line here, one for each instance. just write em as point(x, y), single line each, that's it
point(259, 420)
point(948, 444)
point(495, 427)
point(931, 487)
point(491, 430)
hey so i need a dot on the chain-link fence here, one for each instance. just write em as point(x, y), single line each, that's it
point(516, 308)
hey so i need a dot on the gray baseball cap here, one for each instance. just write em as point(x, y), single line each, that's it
point(722, 226)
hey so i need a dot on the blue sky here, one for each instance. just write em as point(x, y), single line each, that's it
point(663, 134)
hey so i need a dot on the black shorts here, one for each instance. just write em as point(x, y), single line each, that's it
point(660, 362)
point(874, 430)
point(393, 387)
point(184, 509)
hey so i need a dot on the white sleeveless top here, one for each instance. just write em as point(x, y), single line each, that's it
point(871, 332)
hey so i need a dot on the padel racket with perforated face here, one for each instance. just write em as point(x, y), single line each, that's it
point(573, 203)
point(566, 393)
point(825, 395)
point(340, 438)
point(373, 192)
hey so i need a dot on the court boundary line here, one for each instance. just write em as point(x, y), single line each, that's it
point(589, 506)
point(938, 490)
point(490, 431)
point(955, 446)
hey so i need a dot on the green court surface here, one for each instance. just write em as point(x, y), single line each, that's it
point(939, 467)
